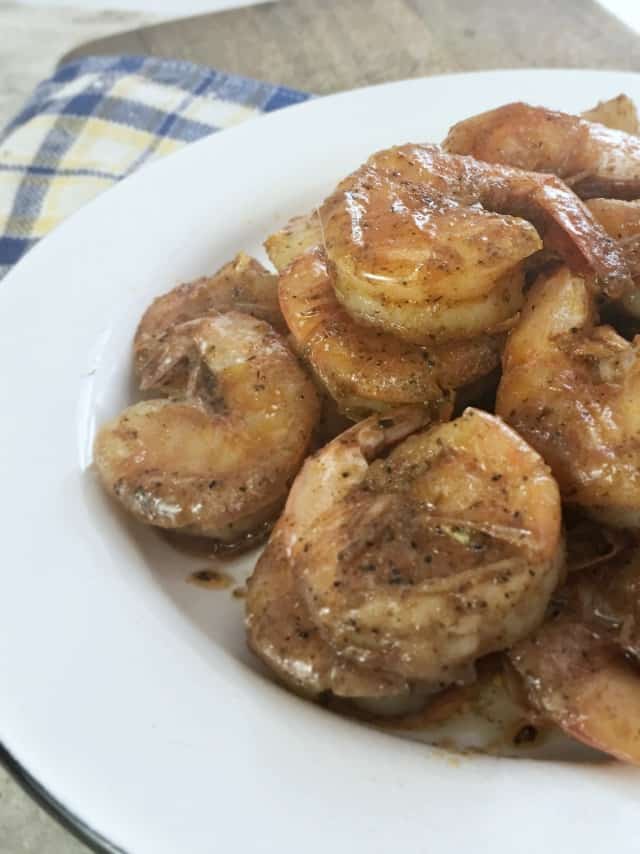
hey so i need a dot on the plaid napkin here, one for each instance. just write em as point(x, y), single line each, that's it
point(100, 118)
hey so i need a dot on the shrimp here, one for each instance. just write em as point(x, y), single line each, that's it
point(419, 562)
point(429, 244)
point(279, 626)
point(621, 220)
point(299, 235)
point(606, 597)
point(571, 389)
point(281, 632)
point(216, 458)
point(618, 113)
point(576, 678)
point(576, 670)
point(243, 284)
point(593, 159)
point(361, 368)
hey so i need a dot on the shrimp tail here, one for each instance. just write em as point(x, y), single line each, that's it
point(569, 229)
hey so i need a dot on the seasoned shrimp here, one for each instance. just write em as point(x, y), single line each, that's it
point(281, 632)
point(607, 598)
point(218, 457)
point(579, 669)
point(299, 235)
point(621, 220)
point(422, 245)
point(594, 159)
point(279, 626)
point(243, 285)
point(572, 390)
point(364, 369)
point(618, 113)
point(420, 562)
point(576, 678)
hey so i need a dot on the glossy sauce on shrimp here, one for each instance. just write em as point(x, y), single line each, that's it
point(418, 563)
point(280, 627)
point(241, 285)
point(621, 220)
point(365, 369)
point(427, 243)
point(594, 159)
point(580, 670)
point(571, 388)
point(218, 456)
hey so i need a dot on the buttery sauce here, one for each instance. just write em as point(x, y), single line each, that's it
point(212, 579)
point(207, 547)
point(479, 718)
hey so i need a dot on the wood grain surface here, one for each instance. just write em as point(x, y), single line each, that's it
point(325, 46)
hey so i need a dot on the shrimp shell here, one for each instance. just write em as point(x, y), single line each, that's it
point(410, 563)
point(279, 627)
point(594, 159)
point(242, 285)
point(217, 460)
point(576, 678)
point(571, 389)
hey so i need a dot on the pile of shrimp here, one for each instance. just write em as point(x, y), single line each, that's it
point(430, 410)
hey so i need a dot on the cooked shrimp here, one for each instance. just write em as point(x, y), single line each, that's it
point(607, 598)
point(618, 113)
point(216, 459)
point(621, 220)
point(591, 544)
point(573, 669)
point(595, 160)
point(576, 678)
point(572, 390)
point(364, 369)
point(418, 563)
point(420, 250)
point(300, 234)
point(279, 626)
point(281, 632)
point(243, 285)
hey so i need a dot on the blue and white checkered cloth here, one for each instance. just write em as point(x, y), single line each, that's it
point(97, 120)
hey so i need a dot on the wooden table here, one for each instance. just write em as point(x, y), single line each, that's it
point(324, 46)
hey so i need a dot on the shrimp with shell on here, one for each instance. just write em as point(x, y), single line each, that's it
point(580, 670)
point(595, 160)
point(216, 454)
point(571, 389)
point(408, 553)
point(621, 220)
point(363, 369)
point(241, 285)
point(426, 244)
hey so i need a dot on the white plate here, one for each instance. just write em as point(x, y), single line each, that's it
point(129, 694)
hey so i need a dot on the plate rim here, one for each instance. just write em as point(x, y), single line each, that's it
point(65, 817)
point(54, 806)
